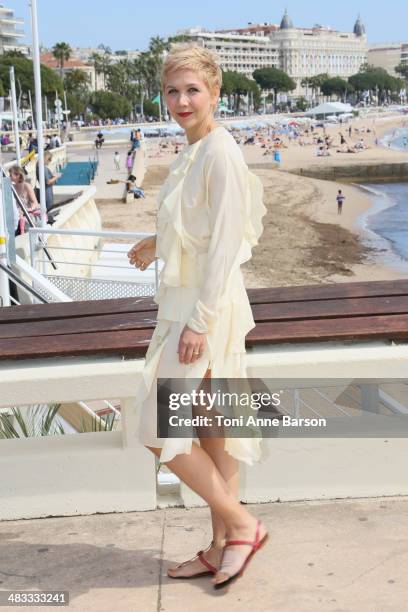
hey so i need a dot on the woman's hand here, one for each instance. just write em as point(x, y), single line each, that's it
point(191, 345)
point(143, 253)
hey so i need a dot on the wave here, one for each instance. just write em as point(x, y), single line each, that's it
point(384, 224)
point(397, 139)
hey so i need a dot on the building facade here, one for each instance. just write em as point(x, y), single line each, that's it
point(300, 52)
point(388, 56)
point(11, 32)
point(81, 58)
point(71, 64)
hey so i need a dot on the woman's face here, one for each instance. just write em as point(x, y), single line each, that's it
point(15, 177)
point(188, 98)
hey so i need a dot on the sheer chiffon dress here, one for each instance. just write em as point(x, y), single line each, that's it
point(209, 217)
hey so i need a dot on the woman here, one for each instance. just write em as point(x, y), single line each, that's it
point(49, 178)
point(26, 195)
point(209, 217)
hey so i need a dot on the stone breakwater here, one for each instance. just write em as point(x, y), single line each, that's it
point(357, 172)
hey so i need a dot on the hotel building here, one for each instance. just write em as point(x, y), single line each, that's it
point(300, 52)
point(11, 33)
point(388, 56)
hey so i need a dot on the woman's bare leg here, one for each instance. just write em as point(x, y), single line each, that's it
point(229, 469)
point(227, 465)
point(199, 472)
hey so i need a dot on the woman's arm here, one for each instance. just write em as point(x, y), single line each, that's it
point(227, 190)
point(31, 196)
point(52, 180)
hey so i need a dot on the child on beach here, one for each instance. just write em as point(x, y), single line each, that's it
point(340, 199)
point(129, 162)
point(116, 159)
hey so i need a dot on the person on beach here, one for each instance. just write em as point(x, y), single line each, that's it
point(340, 199)
point(129, 162)
point(50, 180)
point(116, 160)
point(131, 187)
point(26, 196)
point(209, 218)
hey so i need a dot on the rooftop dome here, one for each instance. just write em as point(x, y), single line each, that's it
point(359, 29)
point(286, 22)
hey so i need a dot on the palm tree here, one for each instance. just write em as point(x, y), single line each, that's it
point(101, 63)
point(158, 45)
point(38, 420)
point(42, 420)
point(62, 52)
point(76, 81)
point(105, 65)
point(96, 61)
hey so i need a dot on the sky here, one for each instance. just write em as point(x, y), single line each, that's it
point(129, 24)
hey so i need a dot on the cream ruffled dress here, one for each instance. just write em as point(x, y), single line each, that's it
point(209, 218)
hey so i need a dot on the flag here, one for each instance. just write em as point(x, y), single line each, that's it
point(156, 100)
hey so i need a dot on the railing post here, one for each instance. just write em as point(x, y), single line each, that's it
point(8, 208)
point(129, 418)
point(370, 398)
point(4, 283)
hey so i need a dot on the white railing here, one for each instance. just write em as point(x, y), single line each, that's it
point(112, 472)
point(87, 266)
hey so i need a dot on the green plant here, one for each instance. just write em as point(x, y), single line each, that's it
point(39, 420)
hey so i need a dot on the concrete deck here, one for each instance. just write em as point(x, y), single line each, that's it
point(332, 556)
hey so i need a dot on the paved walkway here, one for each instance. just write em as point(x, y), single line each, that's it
point(106, 168)
point(335, 556)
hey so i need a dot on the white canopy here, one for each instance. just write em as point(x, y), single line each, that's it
point(330, 108)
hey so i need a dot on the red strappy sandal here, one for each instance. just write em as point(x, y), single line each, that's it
point(256, 545)
point(211, 569)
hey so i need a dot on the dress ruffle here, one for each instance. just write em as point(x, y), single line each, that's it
point(170, 233)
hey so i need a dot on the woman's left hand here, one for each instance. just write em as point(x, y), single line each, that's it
point(191, 345)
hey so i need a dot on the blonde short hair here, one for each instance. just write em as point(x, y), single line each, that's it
point(18, 170)
point(190, 56)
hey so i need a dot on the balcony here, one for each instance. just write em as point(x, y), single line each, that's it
point(10, 33)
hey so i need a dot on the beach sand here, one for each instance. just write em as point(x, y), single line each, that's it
point(305, 241)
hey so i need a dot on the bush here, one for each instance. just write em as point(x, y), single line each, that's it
point(108, 105)
point(151, 109)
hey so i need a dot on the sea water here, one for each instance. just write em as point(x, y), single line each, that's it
point(386, 222)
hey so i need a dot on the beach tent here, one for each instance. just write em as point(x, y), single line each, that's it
point(223, 109)
point(329, 108)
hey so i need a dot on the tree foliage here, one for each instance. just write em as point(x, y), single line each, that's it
point(374, 78)
point(101, 62)
point(235, 85)
point(109, 105)
point(402, 69)
point(151, 108)
point(62, 52)
point(336, 86)
point(23, 70)
point(76, 81)
point(275, 79)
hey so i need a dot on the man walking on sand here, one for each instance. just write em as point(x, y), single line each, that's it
point(116, 159)
point(340, 199)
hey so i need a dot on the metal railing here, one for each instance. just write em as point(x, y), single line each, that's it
point(87, 269)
